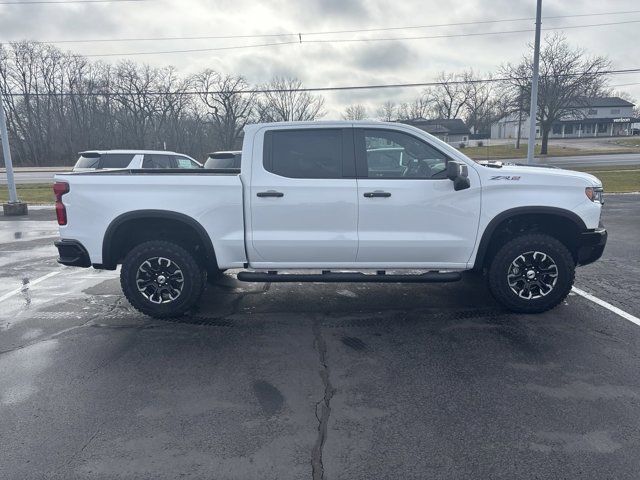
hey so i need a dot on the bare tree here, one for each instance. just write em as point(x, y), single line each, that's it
point(450, 96)
point(388, 111)
point(286, 102)
point(58, 104)
point(355, 112)
point(137, 103)
point(421, 107)
point(567, 77)
point(481, 105)
point(230, 107)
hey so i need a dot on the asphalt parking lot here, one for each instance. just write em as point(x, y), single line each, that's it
point(280, 381)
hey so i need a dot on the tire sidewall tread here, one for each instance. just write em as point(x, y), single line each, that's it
point(497, 273)
point(193, 288)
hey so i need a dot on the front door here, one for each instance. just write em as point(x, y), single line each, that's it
point(304, 204)
point(409, 214)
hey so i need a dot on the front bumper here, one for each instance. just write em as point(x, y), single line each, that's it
point(591, 245)
point(72, 253)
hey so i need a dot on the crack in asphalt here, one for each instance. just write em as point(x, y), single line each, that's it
point(79, 452)
point(323, 406)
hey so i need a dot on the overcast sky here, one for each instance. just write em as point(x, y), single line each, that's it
point(329, 64)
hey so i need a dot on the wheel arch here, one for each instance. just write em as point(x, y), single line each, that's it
point(569, 225)
point(114, 240)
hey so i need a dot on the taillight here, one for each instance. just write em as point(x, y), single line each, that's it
point(59, 189)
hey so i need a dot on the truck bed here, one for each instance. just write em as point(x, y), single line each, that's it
point(211, 197)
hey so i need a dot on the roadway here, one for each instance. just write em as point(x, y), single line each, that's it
point(26, 175)
point(587, 160)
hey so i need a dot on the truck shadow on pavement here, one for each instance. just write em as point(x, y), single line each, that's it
point(455, 312)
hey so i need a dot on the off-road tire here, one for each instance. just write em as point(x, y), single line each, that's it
point(502, 263)
point(192, 286)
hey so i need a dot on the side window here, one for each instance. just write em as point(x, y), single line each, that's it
point(157, 161)
point(184, 162)
point(116, 160)
point(310, 153)
point(391, 154)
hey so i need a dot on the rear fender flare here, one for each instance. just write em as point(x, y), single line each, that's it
point(108, 255)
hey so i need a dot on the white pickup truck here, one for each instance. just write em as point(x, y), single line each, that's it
point(334, 202)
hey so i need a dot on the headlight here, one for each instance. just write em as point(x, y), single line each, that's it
point(595, 194)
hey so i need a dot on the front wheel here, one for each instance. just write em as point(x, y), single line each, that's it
point(531, 273)
point(161, 279)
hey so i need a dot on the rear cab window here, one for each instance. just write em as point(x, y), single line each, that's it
point(308, 153)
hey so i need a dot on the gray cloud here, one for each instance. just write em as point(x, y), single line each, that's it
point(327, 63)
point(319, 11)
point(383, 56)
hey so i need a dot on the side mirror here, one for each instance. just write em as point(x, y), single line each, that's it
point(454, 170)
point(458, 173)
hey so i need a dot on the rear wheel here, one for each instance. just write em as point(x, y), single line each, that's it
point(161, 279)
point(531, 273)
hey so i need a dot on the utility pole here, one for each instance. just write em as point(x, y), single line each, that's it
point(534, 86)
point(14, 207)
point(520, 107)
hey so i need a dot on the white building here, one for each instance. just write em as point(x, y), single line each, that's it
point(592, 117)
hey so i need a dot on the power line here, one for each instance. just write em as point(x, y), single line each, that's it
point(354, 40)
point(329, 32)
point(64, 2)
point(308, 89)
point(421, 37)
point(471, 23)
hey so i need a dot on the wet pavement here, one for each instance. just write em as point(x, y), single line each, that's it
point(304, 380)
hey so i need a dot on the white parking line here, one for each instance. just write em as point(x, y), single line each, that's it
point(606, 305)
point(27, 285)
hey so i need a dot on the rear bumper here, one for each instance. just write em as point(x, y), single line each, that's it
point(72, 253)
point(591, 245)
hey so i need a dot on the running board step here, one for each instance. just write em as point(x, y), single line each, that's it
point(428, 277)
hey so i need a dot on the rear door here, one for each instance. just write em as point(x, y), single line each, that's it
point(303, 196)
point(409, 214)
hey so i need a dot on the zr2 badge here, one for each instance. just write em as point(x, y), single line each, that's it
point(506, 177)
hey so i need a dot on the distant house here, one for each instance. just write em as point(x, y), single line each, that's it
point(590, 117)
point(450, 130)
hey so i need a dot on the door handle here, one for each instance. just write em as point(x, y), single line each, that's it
point(377, 193)
point(270, 193)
